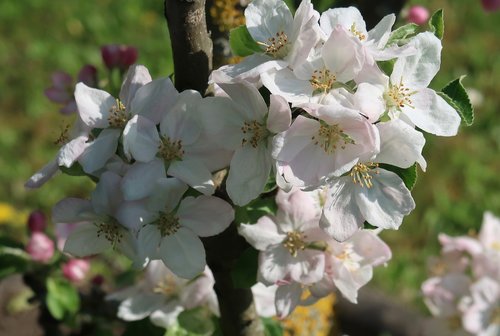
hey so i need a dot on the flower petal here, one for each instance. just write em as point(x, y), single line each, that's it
point(141, 179)
point(140, 139)
point(93, 105)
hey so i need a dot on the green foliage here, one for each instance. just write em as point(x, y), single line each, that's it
point(402, 33)
point(195, 322)
point(272, 327)
point(408, 175)
point(244, 273)
point(436, 24)
point(144, 327)
point(242, 43)
point(454, 93)
point(62, 298)
point(386, 66)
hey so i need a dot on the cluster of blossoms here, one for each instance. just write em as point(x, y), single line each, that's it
point(154, 153)
point(464, 290)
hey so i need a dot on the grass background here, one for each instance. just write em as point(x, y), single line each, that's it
point(38, 37)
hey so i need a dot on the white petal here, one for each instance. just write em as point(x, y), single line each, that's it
point(382, 31)
point(166, 194)
point(285, 83)
point(71, 210)
point(194, 173)
point(106, 197)
point(93, 105)
point(71, 151)
point(386, 203)
point(140, 139)
point(249, 101)
point(183, 253)
point(149, 239)
point(261, 235)
point(273, 264)
point(84, 241)
point(43, 175)
point(155, 99)
point(265, 18)
point(287, 298)
point(345, 17)
point(181, 122)
point(139, 306)
point(141, 178)
point(166, 316)
point(137, 76)
point(205, 215)
point(99, 151)
point(248, 173)
point(308, 267)
point(133, 215)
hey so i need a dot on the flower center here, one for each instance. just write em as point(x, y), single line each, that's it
point(118, 115)
point(110, 229)
point(398, 96)
point(496, 246)
point(329, 137)
point(170, 150)
point(294, 242)
point(253, 133)
point(277, 46)
point(322, 81)
point(357, 33)
point(168, 224)
point(349, 258)
point(167, 286)
point(360, 174)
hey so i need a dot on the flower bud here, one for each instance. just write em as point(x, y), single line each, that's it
point(490, 5)
point(36, 221)
point(118, 56)
point(40, 247)
point(75, 270)
point(418, 15)
point(88, 75)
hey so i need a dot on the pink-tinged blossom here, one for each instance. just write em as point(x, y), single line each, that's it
point(284, 40)
point(417, 14)
point(490, 5)
point(482, 314)
point(171, 230)
point(312, 150)
point(244, 124)
point(442, 294)
point(285, 240)
point(40, 247)
point(349, 265)
point(489, 235)
point(37, 221)
point(118, 56)
point(162, 296)
point(75, 270)
point(263, 297)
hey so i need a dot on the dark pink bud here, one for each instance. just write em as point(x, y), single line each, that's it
point(40, 247)
point(75, 270)
point(36, 221)
point(88, 75)
point(98, 280)
point(61, 80)
point(111, 55)
point(418, 15)
point(490, 5)
point(128, 56)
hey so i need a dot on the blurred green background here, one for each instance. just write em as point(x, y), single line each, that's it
point(38, 37)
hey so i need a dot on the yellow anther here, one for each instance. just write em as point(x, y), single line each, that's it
point(361, 174)
point(330, 137)
point(170, 150)
point(118, 115)
point(294, 242)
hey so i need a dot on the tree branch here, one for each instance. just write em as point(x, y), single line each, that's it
point(191, 43)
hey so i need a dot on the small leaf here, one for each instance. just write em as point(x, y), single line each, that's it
point(386, 66)
point(242, 43)
point(455, 94)
point(402, 33)
point(196, 321)
point(272, 327)
point(436, 23)
point(244, 273)
point(408, 175)
point(62, 298)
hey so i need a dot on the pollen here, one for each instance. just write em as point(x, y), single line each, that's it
point(277, 46)
point(168, 223)
point(362, 174)
point(399, 96)
point(322, 81)
point(170, 150)
point(331, 137)
point(357, 33)
point(166, 286)
point(253, 133)
point(111, 230)
point(118, 115)
point(294, 242)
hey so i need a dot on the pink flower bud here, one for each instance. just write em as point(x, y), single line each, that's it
point(75, 270)
point(490, 5)
point(40, 247)
point(98, 280)
point(36, 221)
point(88, 75)
point(118, 56)
point(418, 15)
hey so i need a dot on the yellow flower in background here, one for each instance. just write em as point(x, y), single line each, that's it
point(12, 216)
point(227, 14)
point(316, 319)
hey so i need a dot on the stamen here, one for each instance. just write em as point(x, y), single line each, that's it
point(357, 33)
point(166, 286)
point(329, 136)
point(322, 81)
point(294, 242)
point(360, 174)
point(399, 96)
point(170, 150)
point(118, 115)
point(253, 133)
point(168, 224)
point(110, 229)
point(278, 46)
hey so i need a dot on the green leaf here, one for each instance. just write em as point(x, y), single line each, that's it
point(62, 298)
point(143, 327)
point(386, 66)
point(272, 327)
point(242, 43)
point(408, 175)
point(436, 23)
point(244, 273)
point(455, 94)
point(291, 5)
point(196, 321)
point(402, 33)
